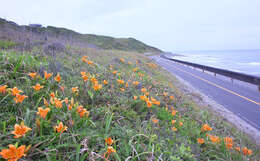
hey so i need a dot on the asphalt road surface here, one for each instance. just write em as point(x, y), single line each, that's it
point(243, 102)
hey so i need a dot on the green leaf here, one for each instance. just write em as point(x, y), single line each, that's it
point(108, 122)
point(90, 94)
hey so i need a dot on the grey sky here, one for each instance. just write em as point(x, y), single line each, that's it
point(167, 24)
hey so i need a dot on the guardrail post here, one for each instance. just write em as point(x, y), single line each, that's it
point(259, 87)
point(215, 74)
point(231, 80)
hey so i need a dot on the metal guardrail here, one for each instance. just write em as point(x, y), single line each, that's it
point(233, 75)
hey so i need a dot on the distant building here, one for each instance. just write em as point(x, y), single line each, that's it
point(35, 25)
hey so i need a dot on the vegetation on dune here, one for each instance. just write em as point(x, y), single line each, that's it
point(31, 36)
point(104, 105)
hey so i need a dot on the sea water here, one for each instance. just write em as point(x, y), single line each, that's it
point(244, 61)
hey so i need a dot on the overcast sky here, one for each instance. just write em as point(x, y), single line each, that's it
point(167, 24)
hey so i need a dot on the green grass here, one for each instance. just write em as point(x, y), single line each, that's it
point(4, 44)
point(113, 113)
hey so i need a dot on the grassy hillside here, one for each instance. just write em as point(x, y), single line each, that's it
point(10, 30)
point(83, 103)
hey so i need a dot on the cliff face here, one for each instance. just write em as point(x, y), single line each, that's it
point(35, 33)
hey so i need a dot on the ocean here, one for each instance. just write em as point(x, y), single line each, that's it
point(244, 61)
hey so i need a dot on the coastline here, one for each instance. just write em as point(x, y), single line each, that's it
point(241, 62)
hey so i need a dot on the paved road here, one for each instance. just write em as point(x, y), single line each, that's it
point(242, 101)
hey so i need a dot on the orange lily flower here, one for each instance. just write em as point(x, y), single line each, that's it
point(75, 89)
point(135, 69)
point(146, 99)
point(3, 89)
point(72, 101)
point(114, 72)
point(105, 82)
point(70, 107)
point(136, 83)
point(214, 139)
point(14, 153)
point(143, 90)
point(228, 142)
point(85, 78)
point(52, 95)
point(174, 112)
point(153, 99)
point(43, 112)
point(155, 121)
point(110, 150)
point(82, 111)
point(247, 151)
point(173, 122)
point(122, 60)
point(37, 87)
point(109, 141)
point(79, 109)
point(140, 74)
point(174, 128)
point(97, 87)
point(120, 81)
point(57, 78)
point(149, 104)
point(206, 127)
point(71, 104)
point(143, 98)
point(61, 128)
point(47, 75)
point(90, 62)
point(84, 59)
point(200, 140)
point(19, 98)
point(58, 103)
point(237, 149)
point(32, 75)
point(93, 80)
point(181, 123)
point(135, 97)
point(83, 73)
point(20, 130)
point(15, 91)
